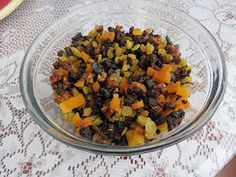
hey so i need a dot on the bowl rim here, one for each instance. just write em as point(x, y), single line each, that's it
point(112, 150)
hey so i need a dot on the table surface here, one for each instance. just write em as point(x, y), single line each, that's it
point(26, 150)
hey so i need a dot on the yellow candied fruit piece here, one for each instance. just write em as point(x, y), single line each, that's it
point(134, 138)
point(188, 68)
point(99, 58)
point(144, 113)
point(116, 95)
point(162, 44)
point(79, 84)
point(167, 57)
point(98, 121)
point(76, 119)
point(108, 35)
point(93, 33)
point(143, 48)
point(129, 44)
point(118, 51)
point(187, 79)
point(123, 58)
point(125, 68)
point(149, 48)
point(132, 56)
point(127, 74)
point(69, 116)
point(99, 38)
point(110, 53)
point(75, 52)
point(124, 131)
point(136, 47)
point(61, 58)
point(163, 127)
point(117, 59)
point(85, 90)
point(183, 63)
point(187, 86)
point(71, 103)
point(116, 45)
point(94, 44)
point(142, 120)
point(137, 32)
point(75, 92)
point(150, 130)
point(72, 57)
point(127, 111)
point(85, 43)
point(162, 52)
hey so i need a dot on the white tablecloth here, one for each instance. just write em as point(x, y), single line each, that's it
point(26, 150)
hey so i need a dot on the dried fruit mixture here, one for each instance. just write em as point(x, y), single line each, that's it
point(121, 88)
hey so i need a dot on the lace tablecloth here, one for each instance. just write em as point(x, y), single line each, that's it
point(26, 150)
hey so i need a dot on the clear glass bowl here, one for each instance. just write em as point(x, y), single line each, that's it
point(197, 46)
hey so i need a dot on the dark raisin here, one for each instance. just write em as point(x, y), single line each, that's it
point(173, 78)
point(137, 39)
point(127, 102)
point(123, 141)
point(140, 93)
point(106, 93)
point(152, 93)
point(132, 98)
point(89, 49)
point(129, 61)
point(153, 114)
point(131, 30)
point(152, 58)
point(86, 133)
point(149, 83)
point(96, 110)
point(152, 102)
point(158, 131)
point(75, 76)
point(107, 64)
point(104, 52)
point(104, 125)
point(168, 40)
point(120, 126)
point(168, 106)
point(77, 37)
point(74, 43)
point(111, 29)
point(120, 36)
point(142, 79)
point(159, 120)
point(111, 71)
point(99, 101)
point(138, 53)
point(110, 131)
point(177, 60)
point(56, 65)
point(96, 67)
point(107, 43)
point(60, 52)
point(174, 119)
point(139, 110)
point(68, 51)
point(181, 73)
point(134, 78)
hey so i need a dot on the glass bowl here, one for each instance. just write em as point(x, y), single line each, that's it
point(197, 46)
